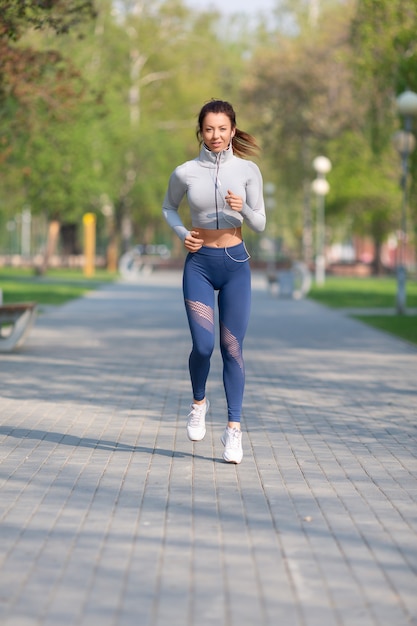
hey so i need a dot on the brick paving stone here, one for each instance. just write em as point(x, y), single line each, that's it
point(110, 516)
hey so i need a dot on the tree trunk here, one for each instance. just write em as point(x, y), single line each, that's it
point(51, 246)
point(377, 267)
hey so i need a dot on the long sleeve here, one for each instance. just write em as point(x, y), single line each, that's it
point(253, 210)
point(175, 193)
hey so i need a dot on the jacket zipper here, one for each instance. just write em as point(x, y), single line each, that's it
point(216, 185)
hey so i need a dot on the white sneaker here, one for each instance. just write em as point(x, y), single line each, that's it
point(232, 441)
point(196, 425)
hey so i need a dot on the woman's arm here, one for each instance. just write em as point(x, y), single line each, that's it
point(176, 191)
point(253, 210)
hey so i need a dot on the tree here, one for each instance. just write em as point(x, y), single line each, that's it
point(169, 60)
point(364, 193)
point(29, 77)
point(384, 61)
point(141, 76)
point(36, 87)
point(327, 88)
point(299, 87)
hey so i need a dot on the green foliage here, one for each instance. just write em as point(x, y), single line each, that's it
point(38, 89)
point(97, 118)
point(60, 15)
point(141, 79)
point(363, 189)
point(384, 60)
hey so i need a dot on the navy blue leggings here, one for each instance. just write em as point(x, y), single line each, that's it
point(228, 272)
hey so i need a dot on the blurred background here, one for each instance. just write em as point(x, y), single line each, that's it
point(99, 102)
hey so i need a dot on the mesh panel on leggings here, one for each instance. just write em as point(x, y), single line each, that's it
point(202, 314)
point(232, 346)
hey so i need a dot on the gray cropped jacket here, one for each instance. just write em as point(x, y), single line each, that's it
point(205, 182)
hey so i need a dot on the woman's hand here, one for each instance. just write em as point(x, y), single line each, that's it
point(192, 242)
point(235, 202)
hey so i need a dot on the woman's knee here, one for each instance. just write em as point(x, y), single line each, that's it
point(202, 349)
point(231, 346)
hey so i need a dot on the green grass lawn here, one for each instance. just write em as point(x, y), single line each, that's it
point(342, 292)
point(399, 325)
point(56, 287)
point(345, 292)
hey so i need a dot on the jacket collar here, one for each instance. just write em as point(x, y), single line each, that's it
point(207, 158)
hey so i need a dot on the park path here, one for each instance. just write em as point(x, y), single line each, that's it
point(109, 516)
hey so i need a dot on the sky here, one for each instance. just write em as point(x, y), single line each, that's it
point(251, 7)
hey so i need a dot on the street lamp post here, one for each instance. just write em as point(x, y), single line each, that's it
point(404, 142)
point(320, 186)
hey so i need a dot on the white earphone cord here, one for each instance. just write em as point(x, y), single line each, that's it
point(217, 186)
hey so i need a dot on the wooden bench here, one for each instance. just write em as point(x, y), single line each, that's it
point(16, 320)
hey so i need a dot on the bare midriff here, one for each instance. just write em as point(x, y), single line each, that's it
point(221, 238)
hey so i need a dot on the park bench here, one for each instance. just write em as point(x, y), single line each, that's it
point(16, 321)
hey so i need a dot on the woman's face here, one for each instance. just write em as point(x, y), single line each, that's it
point(217, 131)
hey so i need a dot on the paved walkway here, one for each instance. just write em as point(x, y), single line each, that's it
point(111, 517)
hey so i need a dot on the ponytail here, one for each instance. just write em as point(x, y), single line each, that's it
point(244, 145)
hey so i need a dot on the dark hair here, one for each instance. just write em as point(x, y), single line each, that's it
point(243, 144)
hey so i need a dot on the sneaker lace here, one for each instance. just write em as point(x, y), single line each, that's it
point(196, 413)
point(234, 439)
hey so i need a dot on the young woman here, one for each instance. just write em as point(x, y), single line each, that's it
point(223, 190)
